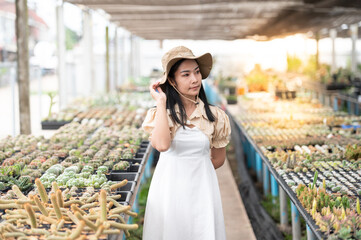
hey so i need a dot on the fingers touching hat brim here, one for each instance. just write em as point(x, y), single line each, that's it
point(204, 61)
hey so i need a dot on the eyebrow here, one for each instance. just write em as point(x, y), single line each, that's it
point(188, 70)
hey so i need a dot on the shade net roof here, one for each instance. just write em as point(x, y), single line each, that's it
point(228, 20)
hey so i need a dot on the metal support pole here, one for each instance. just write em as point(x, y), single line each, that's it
point(107, 74)
point(22, 44)
point(148, 166)
point(310, 234)
point(349, 107)
point(327, 100)
point(137, 58)
point(283, 208)
point(258, 167)
point(248, 153)
point(115, 55)
point(40, 91)
point(333, 35)
point(335, 104)
point(274, 187)
point(131, 59)
point(253, 158)
point(296, 223)
point(123, 60)
point(61, 55)
point(354, 35)
point(88, 51)
point(266, 182)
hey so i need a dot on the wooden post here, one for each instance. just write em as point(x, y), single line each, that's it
point(23, 65)
point(107, 76)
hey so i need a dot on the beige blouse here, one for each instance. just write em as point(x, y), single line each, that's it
point(218, 131)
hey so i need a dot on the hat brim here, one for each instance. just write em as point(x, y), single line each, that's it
point(204, 61)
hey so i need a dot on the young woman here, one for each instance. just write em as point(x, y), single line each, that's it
point(184, 201)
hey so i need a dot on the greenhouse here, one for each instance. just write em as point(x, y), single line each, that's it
point(180, 120)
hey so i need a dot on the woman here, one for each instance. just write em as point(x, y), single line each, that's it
point(184, 200)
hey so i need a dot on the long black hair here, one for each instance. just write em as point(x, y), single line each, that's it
point(174, 98)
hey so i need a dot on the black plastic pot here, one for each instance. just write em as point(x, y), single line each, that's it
point(128, 187)
point(336, 86)
point(52, 125)
point(125, 197)
point(286, 94)
point(121, 176)
point(135, 168)
point(231, 101)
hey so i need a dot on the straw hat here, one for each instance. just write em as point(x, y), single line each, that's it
point(172, 56)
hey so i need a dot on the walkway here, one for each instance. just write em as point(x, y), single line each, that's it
point(238, 226)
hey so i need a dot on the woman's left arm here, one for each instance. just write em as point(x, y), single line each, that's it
point(218, 156)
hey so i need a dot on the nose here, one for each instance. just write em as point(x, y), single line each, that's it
point(193, 78)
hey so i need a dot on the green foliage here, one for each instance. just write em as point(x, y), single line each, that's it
point(23, 183)
point(71, 38)
point(358, 234)
point(311, 67)
point(344, 233)
point(294, 64)
point(353, 152)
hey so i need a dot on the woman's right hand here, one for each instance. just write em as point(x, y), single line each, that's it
point(157, 93)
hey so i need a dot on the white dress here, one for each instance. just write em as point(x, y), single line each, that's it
point(184, 201)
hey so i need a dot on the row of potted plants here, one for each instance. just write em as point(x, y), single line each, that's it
point(316, 153)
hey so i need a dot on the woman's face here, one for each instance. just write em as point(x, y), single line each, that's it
point(188, 78)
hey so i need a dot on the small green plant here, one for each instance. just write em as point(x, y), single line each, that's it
point(52, 102)
point(314, 179)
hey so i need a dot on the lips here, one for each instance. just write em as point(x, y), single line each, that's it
point(194, 88)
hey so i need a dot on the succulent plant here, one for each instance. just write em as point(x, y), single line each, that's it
point(122, 165)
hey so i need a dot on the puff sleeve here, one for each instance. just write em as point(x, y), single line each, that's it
point(222, 129)
point(149, 122)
